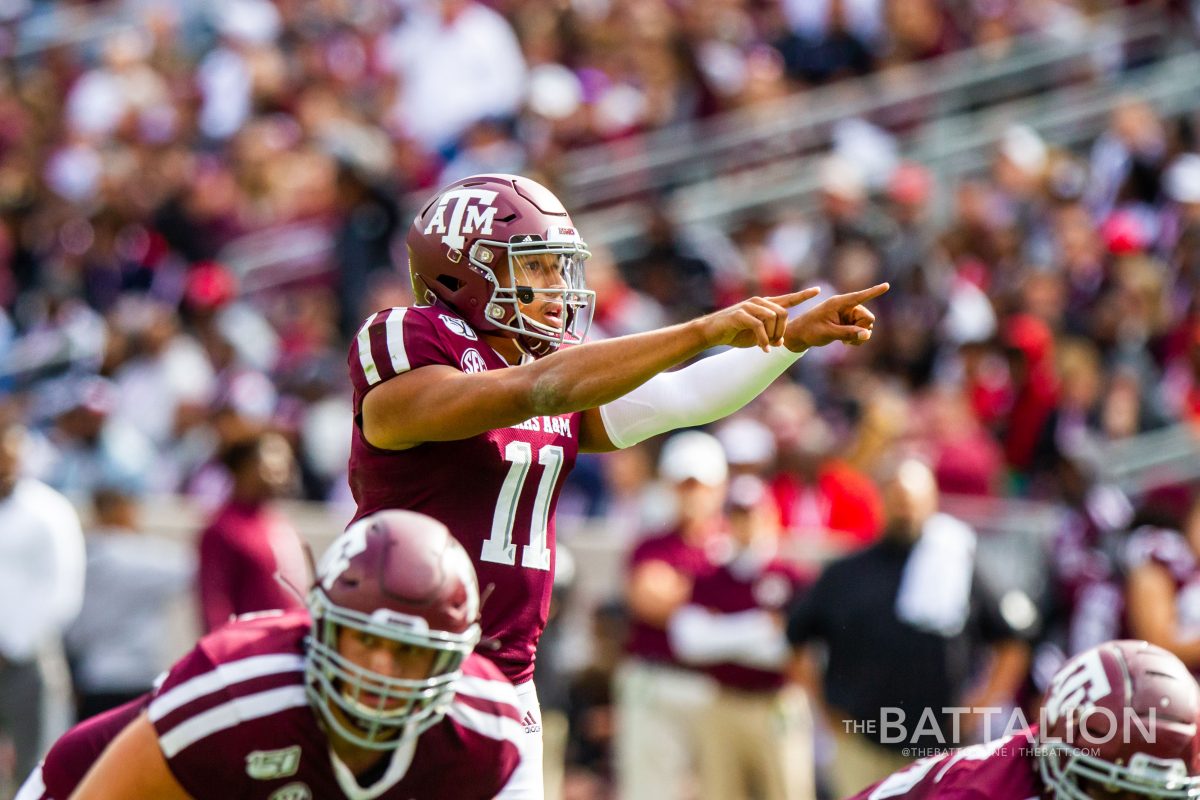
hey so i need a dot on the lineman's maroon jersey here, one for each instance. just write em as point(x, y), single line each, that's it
point(72, 756)
point(496, 492)
point(234, 723)
point(1005, 769)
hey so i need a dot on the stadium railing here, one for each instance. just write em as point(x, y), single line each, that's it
point(947, 113)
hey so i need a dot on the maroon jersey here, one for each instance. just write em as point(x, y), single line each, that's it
point(736, 587)
point(234, 723)
point(1005, 769)
point(68, 761)
point(496, 492)
point(694, 561)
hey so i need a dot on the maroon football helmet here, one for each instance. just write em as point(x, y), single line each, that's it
point(402, 577)
point(488, 245)
point(1121, 717)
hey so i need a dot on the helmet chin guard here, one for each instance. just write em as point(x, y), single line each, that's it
point(395, 580)
point(574, 302)
point(375, 711)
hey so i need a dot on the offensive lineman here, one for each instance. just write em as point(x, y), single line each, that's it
point(377, 695)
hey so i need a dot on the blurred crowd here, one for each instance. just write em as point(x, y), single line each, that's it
point(197, 212)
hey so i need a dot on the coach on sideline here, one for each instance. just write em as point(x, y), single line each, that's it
point(906, 624)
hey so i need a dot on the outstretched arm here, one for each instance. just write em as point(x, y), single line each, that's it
point(439, 403)
point(716, 387)
point(132, 768)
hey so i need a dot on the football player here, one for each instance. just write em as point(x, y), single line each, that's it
point(471, 407)
point(374, 693)
point(1119, 722)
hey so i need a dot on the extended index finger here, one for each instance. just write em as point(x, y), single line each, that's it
point(863, 295)
point(795, 298)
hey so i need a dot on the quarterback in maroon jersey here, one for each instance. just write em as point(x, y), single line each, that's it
point(376, 695)
point(1119, 722)
point(470, 408)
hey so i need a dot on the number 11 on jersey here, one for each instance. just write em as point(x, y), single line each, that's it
point(499, 547)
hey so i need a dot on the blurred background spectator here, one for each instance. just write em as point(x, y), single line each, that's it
point(906, 624)
point(120, 642)
point(42, 556)
point(661, 701)
point(755, 738)
point(1163, 587)
point(251, 558)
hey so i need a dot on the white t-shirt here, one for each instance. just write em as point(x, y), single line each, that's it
point(41, 568)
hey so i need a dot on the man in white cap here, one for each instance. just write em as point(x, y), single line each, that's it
point(660, 701)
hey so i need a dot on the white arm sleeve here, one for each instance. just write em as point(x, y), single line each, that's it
point(698, 394)
point(749, 638)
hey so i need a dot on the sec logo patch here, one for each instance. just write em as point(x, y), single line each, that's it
point(472, 361)
point(293, 791)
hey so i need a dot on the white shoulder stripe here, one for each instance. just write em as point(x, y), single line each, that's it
point(229, 714)
point(34, 787)
point(221, 677)
point(485, 689)
point(364, 351)
point(395, 341)
point(489, 725)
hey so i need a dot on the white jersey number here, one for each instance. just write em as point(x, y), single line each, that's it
point(499, 547)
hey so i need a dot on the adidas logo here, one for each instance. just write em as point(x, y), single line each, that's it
point(531, 723)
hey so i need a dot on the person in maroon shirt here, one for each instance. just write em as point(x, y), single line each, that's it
point(660, 699)
point(1152, 751)
point(755, 737)
point(1162, 587)
point(377, 694)
point(472, 405)
point(248, 542)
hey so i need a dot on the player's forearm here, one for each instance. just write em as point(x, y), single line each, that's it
point(591, 375)
point(700, 393)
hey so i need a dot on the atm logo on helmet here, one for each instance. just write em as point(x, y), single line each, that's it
point(473, 212)
point(1077, 688)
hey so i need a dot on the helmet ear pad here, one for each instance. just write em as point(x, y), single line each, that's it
point(422, 294)
point(467, 290)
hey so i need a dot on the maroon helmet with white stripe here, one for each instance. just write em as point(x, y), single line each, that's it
point(490, 247)
point(1122, 717)
point(394, 579)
